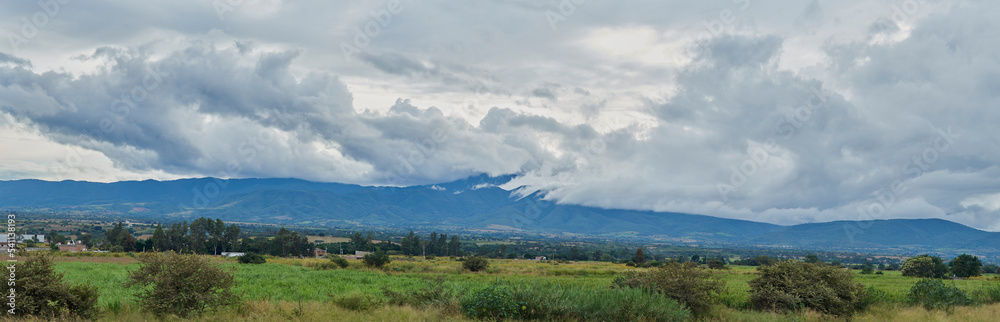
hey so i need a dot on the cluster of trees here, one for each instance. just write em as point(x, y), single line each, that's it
point(202, 236)
point(436, 245)
point(934, 267)
point(207, 236)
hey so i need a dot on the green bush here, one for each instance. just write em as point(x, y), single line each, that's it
point(925, 266)
point(934, 294)
point(171, 283)
point(435, 293)
point(789, 285)
point(987, 295)
point(495, 302)
point(874, 296)
point(41, 293)
point(377, 259)
point(340, 261)
point(554, 302)
point(357, 301)
point(251, 258)
point(686, 283)
point(476, 263)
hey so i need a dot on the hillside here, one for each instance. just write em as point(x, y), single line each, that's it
point(472, 203)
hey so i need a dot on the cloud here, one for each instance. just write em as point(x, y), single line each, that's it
point(784, 112)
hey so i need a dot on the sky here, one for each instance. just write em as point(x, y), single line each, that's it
point(775, 111)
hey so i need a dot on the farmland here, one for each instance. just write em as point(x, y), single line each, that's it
point(295, 288)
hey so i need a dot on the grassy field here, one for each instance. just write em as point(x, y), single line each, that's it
point(292, 288)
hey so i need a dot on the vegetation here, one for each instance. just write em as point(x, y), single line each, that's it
point(41, 292)
point(475, 263)
point(377, 259)
point(181, 284)
point(791, 285)
point(934, 294)
point(966, 266)
point(339, 261)
point(251, 258)
point(925, 266)
point(688, 284)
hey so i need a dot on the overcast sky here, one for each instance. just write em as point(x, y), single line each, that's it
point(777, 111)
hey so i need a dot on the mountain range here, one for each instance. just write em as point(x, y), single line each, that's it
point(475, 203)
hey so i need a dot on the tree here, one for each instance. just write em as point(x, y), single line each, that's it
point(410, 244)
point(159, 239)
point(378, 259)
point(966, 266)
point(718, 263)
point(432, 244)
point(171, 283)
point(40, 292)
point(640, 256)
point(925, 266)
point(792, 285)
point(251, 258)
point(867, 268)
point(812, 259)
point(598, 254)
point(455, 246)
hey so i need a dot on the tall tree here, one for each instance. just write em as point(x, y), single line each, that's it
point(159, 239)
point(432, 244)
point(640, 256)
point(966, 265)
point(455, 246)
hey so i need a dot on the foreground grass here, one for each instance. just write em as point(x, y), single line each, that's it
point(286, 289)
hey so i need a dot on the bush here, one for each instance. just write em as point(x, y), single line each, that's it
point(495, 302)
point(925, 266)
point(934, 294)
point(434, 293)
point(476, 263)
point(377, 259)
point(554, 302)
point(340, 261)
point(251, 258)
point(717, 264)
point(41, 293)
point(357, 301)
point(181, 284)
point(988, 295)
point(966, 265)
point(794, 285)
point(686, 283)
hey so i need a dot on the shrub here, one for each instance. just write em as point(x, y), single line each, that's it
point(987, 295)
point(966, 266)
point(925, 266)
point(40, 292)
point(377, 259)
point(553, 302)
point(717, 264)
point(251, 258)
point(686, 283)
point(495, 302)
point(874, 296)
point(934, 294)
point(340, 261)
point(433, 294)
point(181, 284)
point(476, 263)
point(357, 301)
point(791, 285)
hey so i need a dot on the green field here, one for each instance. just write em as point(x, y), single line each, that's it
point(284, 283)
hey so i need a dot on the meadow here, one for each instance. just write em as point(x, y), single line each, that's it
point(286, 288)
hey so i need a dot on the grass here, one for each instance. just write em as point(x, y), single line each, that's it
point(276, 289)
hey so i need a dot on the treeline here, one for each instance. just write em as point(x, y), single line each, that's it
point(207, 236)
